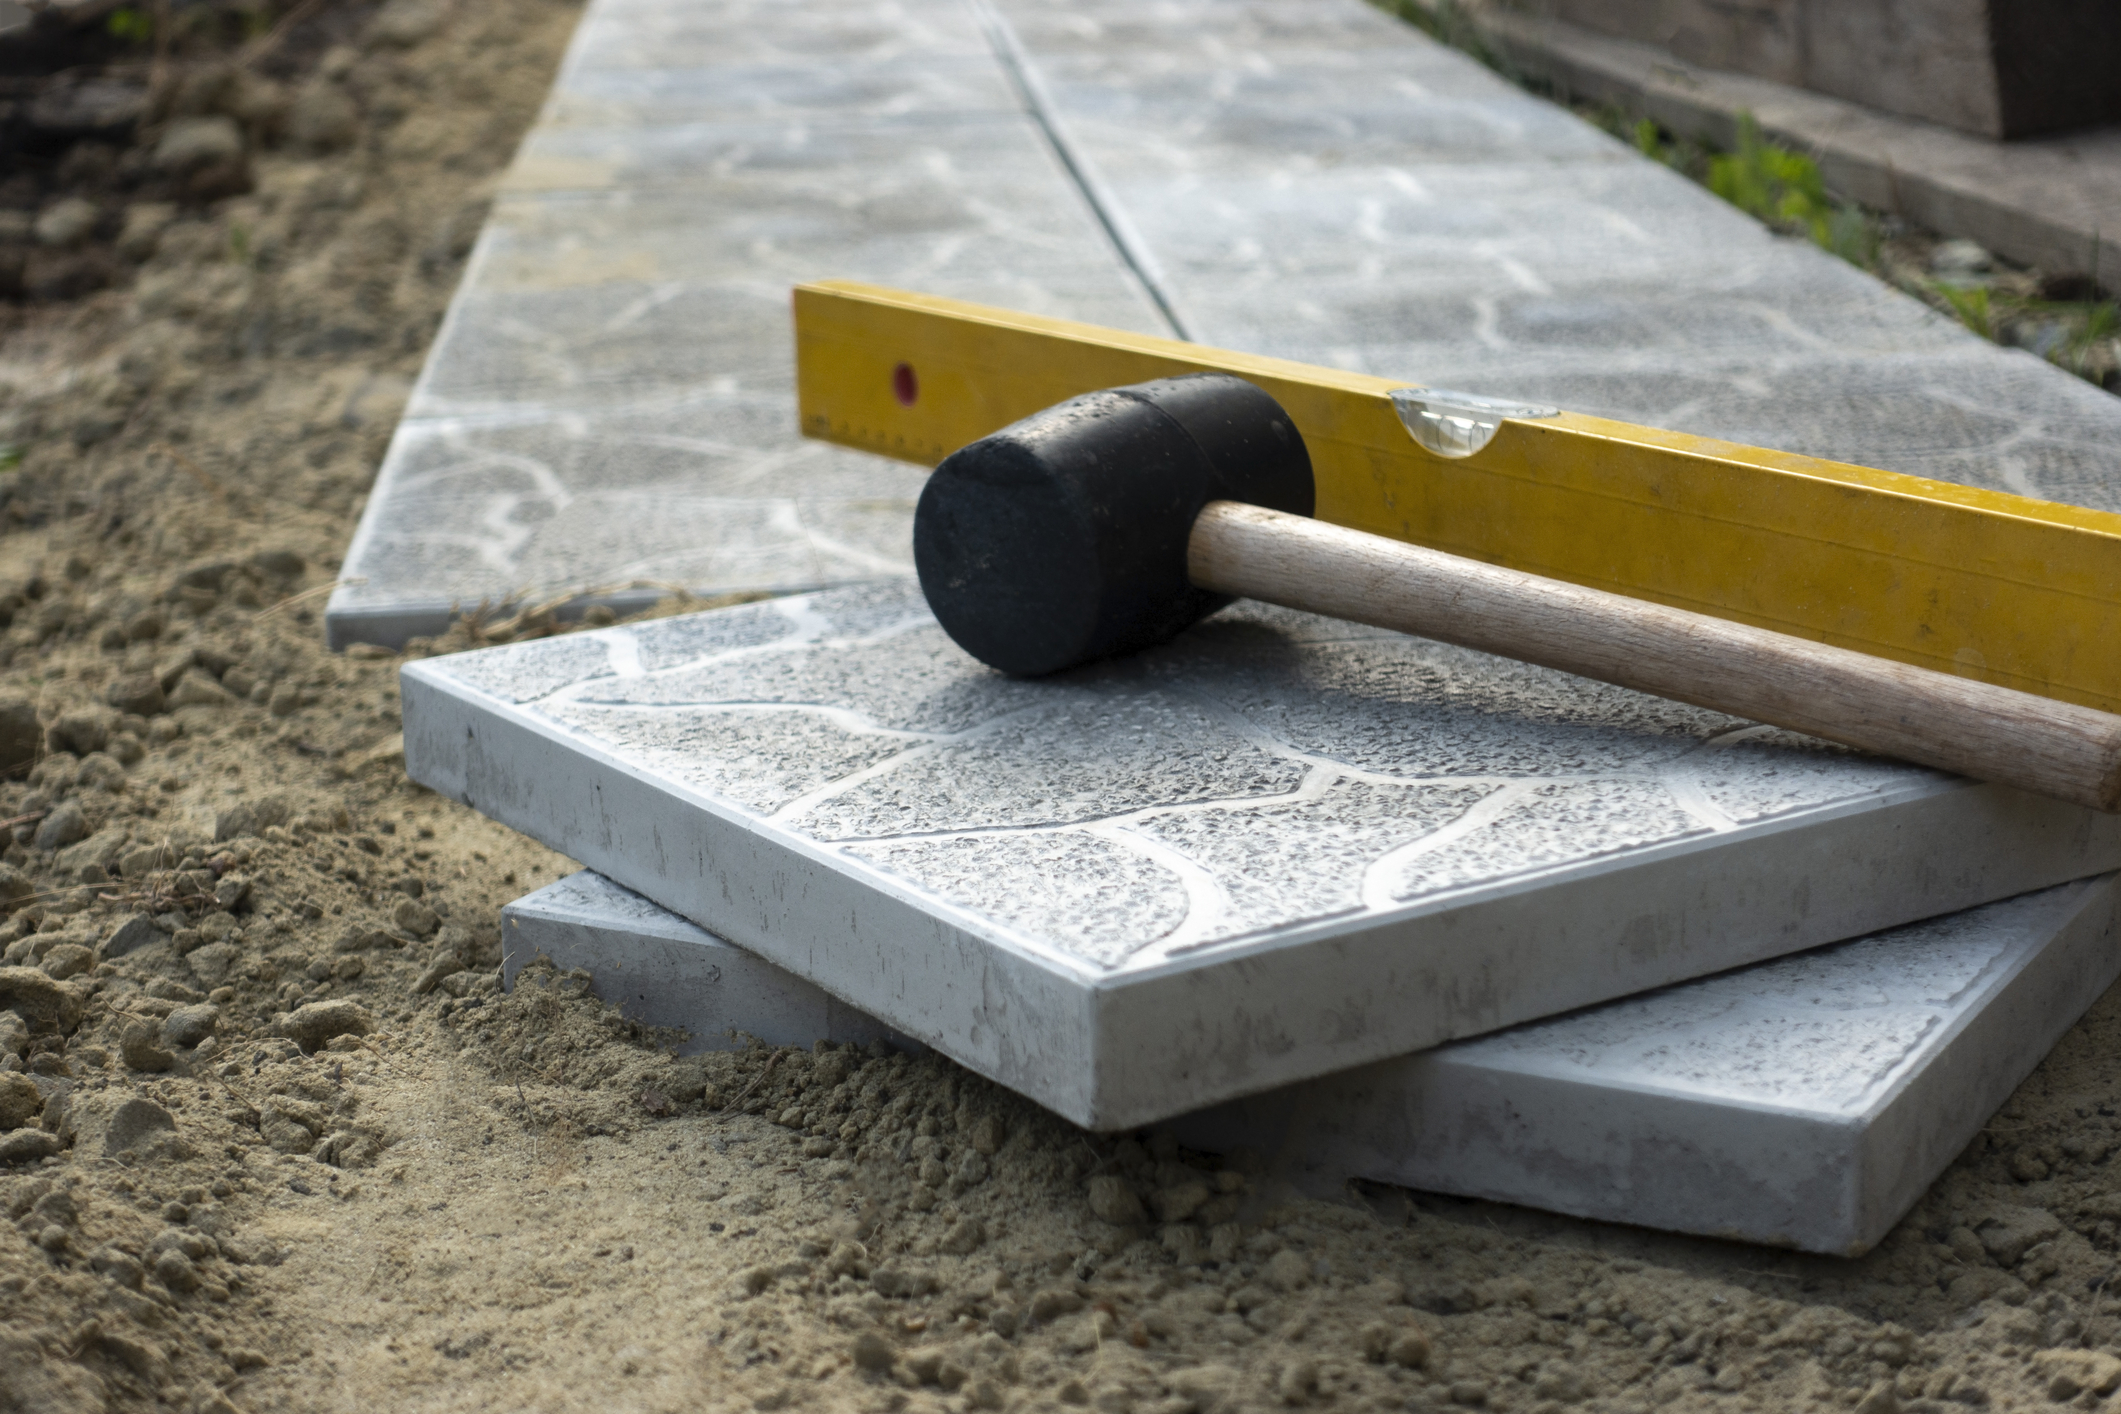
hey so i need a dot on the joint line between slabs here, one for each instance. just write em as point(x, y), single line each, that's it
point(1016, 62)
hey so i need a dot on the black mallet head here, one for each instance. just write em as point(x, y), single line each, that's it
point(1061, 539)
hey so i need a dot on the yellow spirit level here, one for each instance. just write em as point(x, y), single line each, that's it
point(2023, 593)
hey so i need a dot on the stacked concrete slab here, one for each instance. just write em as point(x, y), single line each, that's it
point(1281, 848)
point(1804, 1102)
point(1276, 848)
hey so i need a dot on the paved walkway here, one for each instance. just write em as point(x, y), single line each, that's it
point(611, 399)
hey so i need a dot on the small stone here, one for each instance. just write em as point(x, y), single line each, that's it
point(965, 1235)
point(282, 564)
point(285, 701)
point(249, 818)
point(2093, 1370)
point(212, 963)
point(286, 1136)
point(98, 849)
point(137, 694)
point(1053, 1303)
point(447, 965)
point(873, 1353)
point(67, 824)
point(14, 1034)
point(1882, 1398)
point(311, 1026)
point(189, 144)
point(141, 231)
point(1180, 1202)
point(46, 1004)
point(352, 1149)
point(900, 1282)
point(2009, 1231)
point(988, 1135)
point(68, 960)
point(175, 1271)
point(847, 1259)
point(187, 1026)
point(66, 222)
point(82, 733)
point(53, 1238)
point(400, 24)
point(141, 1049)
point(1287, 1270)
point(136, 931)
point(20, 1100)
point(26, 1146)
point(414, 919)
point(1960, 257)
point(117, 1266)
point(196, 689)
point(1409, 1349)
point(1113, 1200)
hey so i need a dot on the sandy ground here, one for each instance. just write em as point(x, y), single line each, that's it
point(271, 1137)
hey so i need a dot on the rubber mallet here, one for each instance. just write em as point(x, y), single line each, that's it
point(1110, 522)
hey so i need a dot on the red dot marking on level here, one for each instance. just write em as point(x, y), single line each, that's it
point(905, 386)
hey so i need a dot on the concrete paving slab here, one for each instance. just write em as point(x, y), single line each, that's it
point(663, 971)
point(1324, 183)
point(611, 399)
point(610, 402)
point(1279, 847)
point(1804, 1102)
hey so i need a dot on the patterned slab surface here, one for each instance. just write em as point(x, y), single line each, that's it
point(610, 400)
point(1277, 847)
point(1321, 182)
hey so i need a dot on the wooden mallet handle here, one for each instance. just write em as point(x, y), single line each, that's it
point(1991, 733)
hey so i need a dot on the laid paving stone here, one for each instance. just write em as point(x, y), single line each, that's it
point(1323, 182)
point(1805, 1102)
point(661, 970)
point(611, 399)
point(1275, 848)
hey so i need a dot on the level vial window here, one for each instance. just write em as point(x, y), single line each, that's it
point(1457, 424)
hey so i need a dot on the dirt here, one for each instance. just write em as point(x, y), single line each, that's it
point(272, 1136)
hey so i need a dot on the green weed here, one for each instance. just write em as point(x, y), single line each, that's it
point(1785, 190)
point(1971, 304)
point(130, 25)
